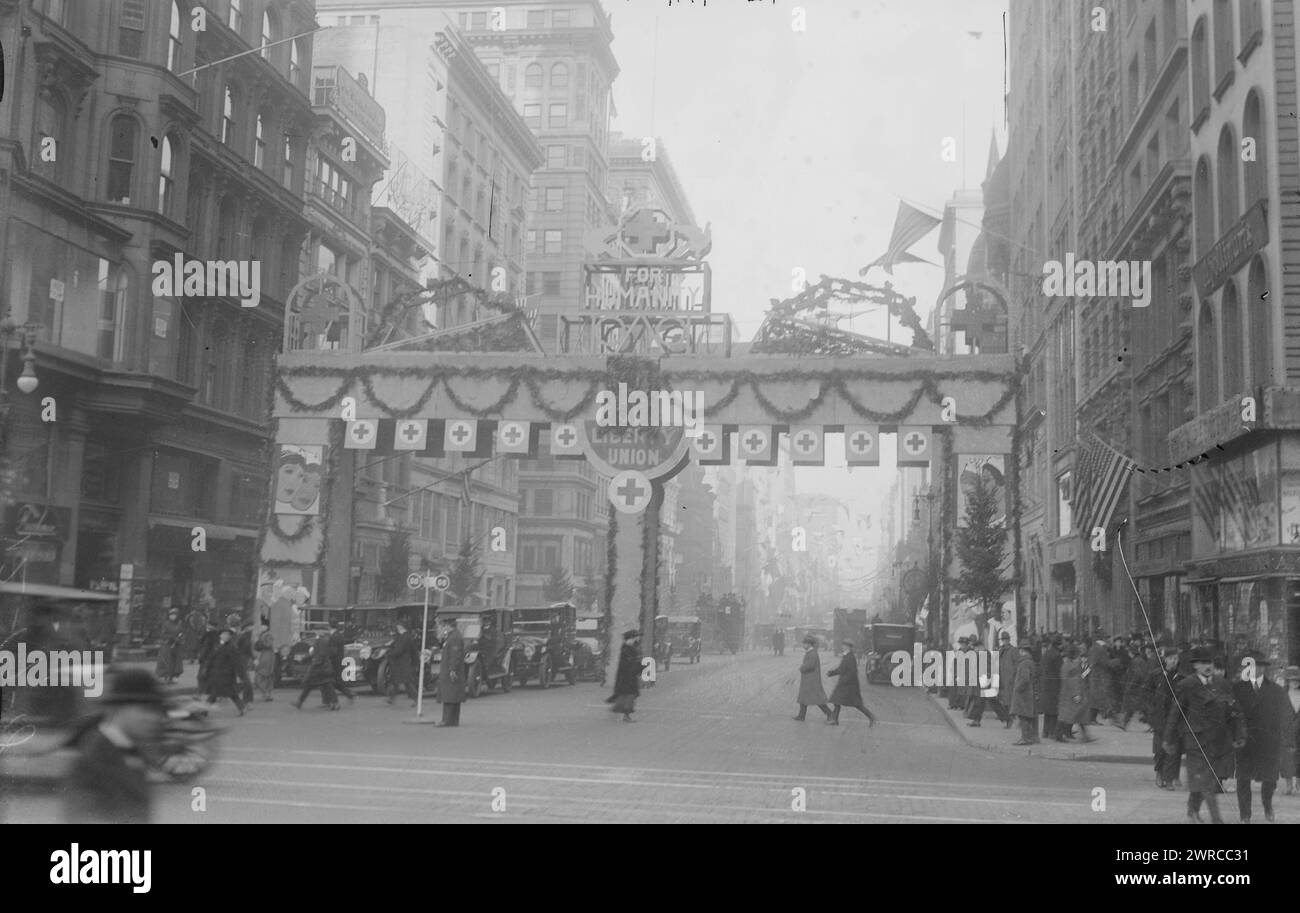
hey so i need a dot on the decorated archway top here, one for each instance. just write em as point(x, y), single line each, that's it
point(648, 233)
point(975, 391)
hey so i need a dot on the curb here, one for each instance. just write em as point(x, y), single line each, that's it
point(1029, 752)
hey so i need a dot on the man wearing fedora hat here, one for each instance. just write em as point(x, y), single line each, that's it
point(1207, 726)
point(810, 681)
point(957, 694)
point(1268, 717)
point(109, 781)
point(627, 679)
point(848, 692)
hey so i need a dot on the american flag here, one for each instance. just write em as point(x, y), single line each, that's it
point(1104, 472)
point(910, 226)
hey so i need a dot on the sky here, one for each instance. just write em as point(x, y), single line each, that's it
point(797, 146)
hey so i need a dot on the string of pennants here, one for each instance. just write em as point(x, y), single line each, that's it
point(716, 445)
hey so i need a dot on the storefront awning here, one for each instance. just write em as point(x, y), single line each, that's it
point(213, 530)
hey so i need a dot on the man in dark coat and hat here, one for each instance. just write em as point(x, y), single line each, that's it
point(1051, 685)
point(1024, 700)
point(627, 679)
point(957, 693)
point(226, 672)
point(810, 681)
point(847, 693)
point(170, 642)
point(1162, 683)
point(1268, 715)
point(403, 664)
point(1098, 690)
point(109, 781)
point(1208, 726)
point(320, 674)
point(338, 643)
point(451, 673)
point(208, 643)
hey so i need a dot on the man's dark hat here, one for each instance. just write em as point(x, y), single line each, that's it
point(1259, 658)
point(133, 686)
point(963, 640)
point(810, 640)
point(1006, 635)
point(630, 633)
point(848, 643)
point(1027, 646)
point(1201, 655)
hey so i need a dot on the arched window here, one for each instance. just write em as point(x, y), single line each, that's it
point(533, 76)
point(1229, 203)
point(1251, 23)
point(259, 145)
point(228, 116)
point(559, 76)
point(295, 63)
point(121, 159)
point(267, 35)
point(174, 38)
point(1256, 172)
point(288, 163)
point(1261, 324)
point(167, 176)
point(1200, 69)
point(226, 249)
point(1207, 359)
point(1224, 56)
point(1203, 206)
point(1234, 353)
point(236, 15)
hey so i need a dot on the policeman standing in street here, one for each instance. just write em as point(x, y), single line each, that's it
point(451, 680)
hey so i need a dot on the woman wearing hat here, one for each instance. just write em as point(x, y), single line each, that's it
point(810, 681)
point(170, 665)
point(627, 680)
point(1269, 719)
point(1206, 725)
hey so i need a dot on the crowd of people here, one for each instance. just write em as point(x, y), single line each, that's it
point(1209, 718)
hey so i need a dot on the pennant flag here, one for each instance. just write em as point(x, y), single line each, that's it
point(756, 443)
point(362, 434)
point(411, 434)
point(460, 436)
point(862, 445)
point(910, 226)
point(807, 446)
point(565, 440)
point(1109, 475)
point(710, 446)
point(914, 445)
point(513, 436)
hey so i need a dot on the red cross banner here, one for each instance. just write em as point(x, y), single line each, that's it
point(711, 446)
point(755, 442)
point(513, 437)
point(363, 434)
point(630, 491)
point(460, 436)
point(914, 445)
point(862, 445)
point(566, 440)
point(807, 445)
point(411, 434)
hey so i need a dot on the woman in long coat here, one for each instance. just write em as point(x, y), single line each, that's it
point(170, 663)
point(1072, 706)
point(627, 680)
point(810, 681)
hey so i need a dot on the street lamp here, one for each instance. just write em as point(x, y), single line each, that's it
point(27, 381)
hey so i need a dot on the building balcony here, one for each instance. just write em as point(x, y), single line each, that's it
point(333, 87)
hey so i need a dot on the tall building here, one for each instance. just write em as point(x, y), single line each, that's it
point(130, 139)
point(1244, 565)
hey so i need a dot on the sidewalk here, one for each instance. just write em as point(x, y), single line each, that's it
point(1112, 745)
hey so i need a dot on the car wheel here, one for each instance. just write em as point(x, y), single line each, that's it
point(382, 675)
point(544, 673)
point(506, 680)
point(475, 682)
point(572, 675)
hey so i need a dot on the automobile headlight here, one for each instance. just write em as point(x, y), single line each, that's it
point(378, 652)
point(528, 652)
point(470, 658)
point(365, 653)
point(284, 653)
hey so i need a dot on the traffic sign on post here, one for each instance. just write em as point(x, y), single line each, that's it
point(441, 583)
point(414, 581)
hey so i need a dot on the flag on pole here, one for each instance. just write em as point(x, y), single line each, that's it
point(1110, 472)
point(910, 226)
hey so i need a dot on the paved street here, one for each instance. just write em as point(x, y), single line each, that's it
point(712, 743)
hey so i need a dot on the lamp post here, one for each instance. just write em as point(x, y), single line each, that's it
point(929, 495)
point(27, 382)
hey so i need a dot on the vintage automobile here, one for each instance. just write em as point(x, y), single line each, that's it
point(295, 658)
point(883, 640)
point(592, 639)
point(663, 643)
point(372, 630)
point(685, 636)
point(548, 638)
point(491, 653)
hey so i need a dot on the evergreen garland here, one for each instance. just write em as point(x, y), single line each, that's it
point(611, 568)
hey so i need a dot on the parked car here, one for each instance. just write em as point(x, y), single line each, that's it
point(548, 639)
point(593, 638)
point(491, 653)
point(685, 636)
point(372, 630)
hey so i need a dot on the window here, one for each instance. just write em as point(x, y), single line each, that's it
point(259, 147)
point(56, 10)
point(537, 19)
point(550, 286)
point(494, 70)
point(554, 156)
point(1223, 41)
point(228, 117)
point(1252, 125)
point(295, 63)
point(1207, 358)
point(267, 35)
point(533, 76)
point(1229, 205)
point(111, 289)
point(1064, 513)
point(130, 29)
point(532, 240)
point(1261, 325)
point(1234, 354)
point(49, 125)
point(236, 15)
point(560, 19)
point(166, 176)
point(554, 199)
point(288, 163)
point(559, 76)
point(543, 502)
point(1203, 207)
point(1200, 69)
point(552, 241)
point(121, 159)
point(533, 115)
point(1251, 23)
point(477, 22)
point(174, 38)
point(559, 116)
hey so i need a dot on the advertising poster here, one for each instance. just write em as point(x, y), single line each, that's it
point(298, 479)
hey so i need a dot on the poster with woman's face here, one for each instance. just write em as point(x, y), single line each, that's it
point(991, 468)
point(298, 479)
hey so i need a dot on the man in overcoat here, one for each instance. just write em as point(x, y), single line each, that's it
point(1098, 691)
point(627, 678)
point(847, 693)
point(956, 693)
point(403, 663)
point(810, 681)
point(1268, 721)
point(1208, 726)
point(1024, 701)
point(1051, 685)
point(1162, 683)
point(451, 674)
point(226, 673)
